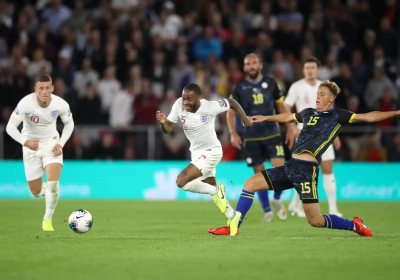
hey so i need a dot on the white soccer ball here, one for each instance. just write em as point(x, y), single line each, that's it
point(80, 221)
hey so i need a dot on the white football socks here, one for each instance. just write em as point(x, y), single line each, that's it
point(198, 186)
point(330, 190)
point(230, 212)
point(52, 195)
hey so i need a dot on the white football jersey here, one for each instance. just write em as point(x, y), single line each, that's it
point(302, 95)
point(199, 127)
point(40, 123)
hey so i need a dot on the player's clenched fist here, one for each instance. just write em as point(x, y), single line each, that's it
point(32, 144)
point(57, 150)
point(161, 118)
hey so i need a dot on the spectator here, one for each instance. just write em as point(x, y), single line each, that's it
point(376, 86)
point(360, 73)
point(106, 148)
point(394, 151)
point(121, 113)
point(158, 75)
point(372, 152)
point(206, 46)
point(75, 148)
point(37, 63)
point(356, 139)
point(90, 106)
point(107, 89)
point(181, 73)
point(388, 38)
point(145, 104)
point(330, 69)
point(56, 15)
point(83, 77)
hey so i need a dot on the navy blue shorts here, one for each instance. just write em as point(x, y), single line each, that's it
point(299, 174)
point(257, 152)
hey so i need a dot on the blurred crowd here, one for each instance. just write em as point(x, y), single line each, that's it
point(118, 61)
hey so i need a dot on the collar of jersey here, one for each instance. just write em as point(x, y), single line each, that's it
point(253, 83)
point(331, 109)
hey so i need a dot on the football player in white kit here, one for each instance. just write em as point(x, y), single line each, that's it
point(42, 145)
point(198, 119)
point(303, 94)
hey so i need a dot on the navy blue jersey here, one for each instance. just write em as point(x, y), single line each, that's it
point(259, 99)
point(320, 130)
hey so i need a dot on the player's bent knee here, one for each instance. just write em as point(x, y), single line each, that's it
point(35, 186)
point(249, 185)
point(315, 221)
point(181, 181)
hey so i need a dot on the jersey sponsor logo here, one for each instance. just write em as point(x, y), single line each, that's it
point(222, 103)
point(255, 89)
point(204, 118)
point(54, 113)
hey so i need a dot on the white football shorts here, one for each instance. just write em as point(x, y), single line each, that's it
point(207, 161)
point(36, 161)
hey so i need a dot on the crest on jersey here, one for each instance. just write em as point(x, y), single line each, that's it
point(204, 118)
point(264, 85)
point(54, 113)
point(222, 103)
point(307, 99)
point(255, 89)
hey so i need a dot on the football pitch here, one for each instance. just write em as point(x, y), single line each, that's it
point(169, 240)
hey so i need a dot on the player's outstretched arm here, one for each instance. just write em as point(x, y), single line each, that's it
point(281, 118)
point(374, 116)
point(165, 125)
point(235, 106)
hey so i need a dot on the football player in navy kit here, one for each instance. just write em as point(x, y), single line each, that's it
point(259, 95)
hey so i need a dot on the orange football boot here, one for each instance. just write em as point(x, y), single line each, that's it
point(361, 229)
point(221, 231)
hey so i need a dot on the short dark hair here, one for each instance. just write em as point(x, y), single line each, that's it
point(193, 87)
point(43, 78)
point(313, 59)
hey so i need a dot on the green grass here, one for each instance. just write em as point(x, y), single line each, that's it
point(169, 240)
